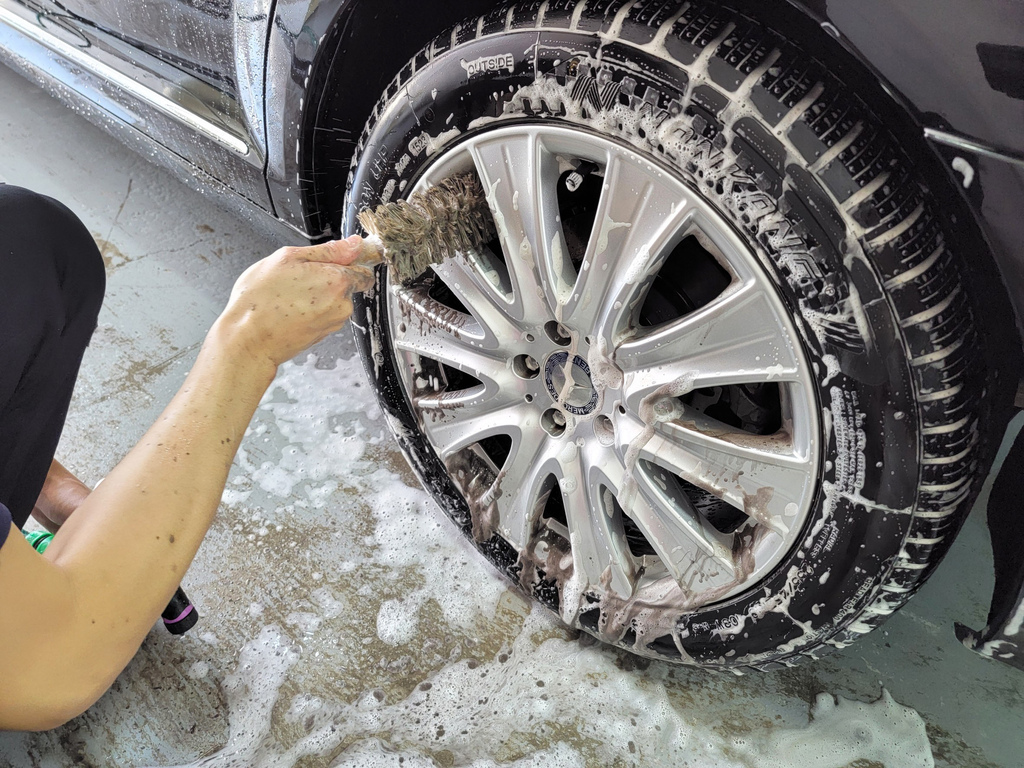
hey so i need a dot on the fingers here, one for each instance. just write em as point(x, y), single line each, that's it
point(361, 278)
point(344, 312)
point(351, 251)
point(371, 253)
point(288, 301)
point(341, 311)
point(354, 279)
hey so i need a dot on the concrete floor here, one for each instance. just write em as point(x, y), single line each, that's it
point(328, 637)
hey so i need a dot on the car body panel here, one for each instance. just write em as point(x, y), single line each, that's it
point(1002, 638)
point(931, 52)
point(232, 102)
point(194, 35)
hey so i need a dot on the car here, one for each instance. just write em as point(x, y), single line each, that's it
point(727, 380)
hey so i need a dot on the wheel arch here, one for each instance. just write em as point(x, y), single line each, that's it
point(835, 32)
point(309, 43)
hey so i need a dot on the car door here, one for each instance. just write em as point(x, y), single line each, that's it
point(193, 35)
point(187, 73)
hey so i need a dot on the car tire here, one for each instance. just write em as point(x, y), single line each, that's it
point(855, 261)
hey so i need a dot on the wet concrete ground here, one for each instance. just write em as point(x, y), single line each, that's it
point(343, 622)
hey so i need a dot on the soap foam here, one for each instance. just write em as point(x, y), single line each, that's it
point(843, 731)
point(544, 700)
point(320, 443)
point(541, 689)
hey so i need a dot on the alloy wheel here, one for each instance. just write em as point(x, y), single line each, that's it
point(613, 383)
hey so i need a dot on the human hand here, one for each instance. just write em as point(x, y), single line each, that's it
point(295, 297)
point(62, 494)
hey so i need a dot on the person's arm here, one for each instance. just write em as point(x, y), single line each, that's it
point(72, 619)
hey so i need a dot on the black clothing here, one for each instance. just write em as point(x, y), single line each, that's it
point(52, 281)
point(5, 524)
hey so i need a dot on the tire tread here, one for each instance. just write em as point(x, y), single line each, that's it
point(857, 164)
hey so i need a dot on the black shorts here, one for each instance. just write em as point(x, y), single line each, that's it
point(52, 281)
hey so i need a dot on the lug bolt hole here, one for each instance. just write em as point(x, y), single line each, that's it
point(529, 338)
point(604, 430)
point(525, 367)
point(553, 422)
point(558, 333)
point(621, 409)
point(587, 339)
point(528, 398)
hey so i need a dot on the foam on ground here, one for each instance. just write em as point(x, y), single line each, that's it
point(321, 444)
point(480, 715)
point(545, 700)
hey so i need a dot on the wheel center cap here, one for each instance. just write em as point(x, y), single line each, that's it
point(570, 386)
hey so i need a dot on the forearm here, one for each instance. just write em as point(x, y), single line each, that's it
point(126, 548)
point(72, 619)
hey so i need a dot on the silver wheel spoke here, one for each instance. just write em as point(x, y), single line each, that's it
point(681, 540)
point(515, 174)
point(668, 521)
point(736, 339)
point(430, 335)
point(521, 483)
point(637, 216)
point(759, 475)
point(455, 422)
point(445, 349)
point(481, 299)
point(599, 552)
point(425, 313)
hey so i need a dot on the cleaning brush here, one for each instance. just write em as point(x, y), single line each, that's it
point(411, 235)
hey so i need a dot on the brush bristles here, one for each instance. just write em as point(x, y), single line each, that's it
point(431, 226)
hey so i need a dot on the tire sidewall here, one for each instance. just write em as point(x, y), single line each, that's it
point(865, 400)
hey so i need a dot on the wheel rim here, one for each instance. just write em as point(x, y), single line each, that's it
point(576, 394)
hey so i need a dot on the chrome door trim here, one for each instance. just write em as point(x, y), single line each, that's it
point(968, 144)
point(155, 99)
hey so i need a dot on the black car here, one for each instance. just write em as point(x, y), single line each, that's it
point(728, 379)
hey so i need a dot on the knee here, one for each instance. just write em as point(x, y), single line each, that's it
point(82, 273)
point(79, 265)
point(52, 244)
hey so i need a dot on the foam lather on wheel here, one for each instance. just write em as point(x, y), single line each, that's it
point(838, 218)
